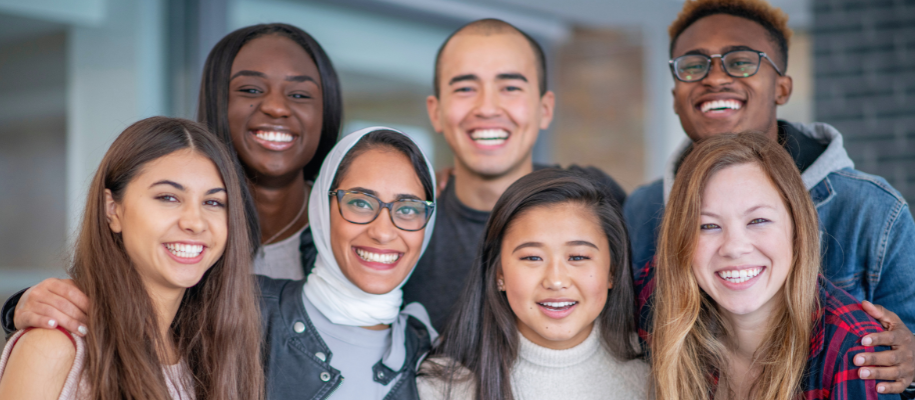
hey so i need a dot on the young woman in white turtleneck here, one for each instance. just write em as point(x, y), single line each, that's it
point(548, 310)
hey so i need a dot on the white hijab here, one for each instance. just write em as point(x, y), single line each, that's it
point(341, 301)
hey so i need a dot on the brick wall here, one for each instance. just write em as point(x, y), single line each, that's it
point(865, 83)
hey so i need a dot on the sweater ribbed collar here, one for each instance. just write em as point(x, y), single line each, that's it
point(545, 357)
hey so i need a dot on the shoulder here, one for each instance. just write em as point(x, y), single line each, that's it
point(843, 314)
point(864, 186)
point(40, 361)
point(270, 288)
point(649, 197)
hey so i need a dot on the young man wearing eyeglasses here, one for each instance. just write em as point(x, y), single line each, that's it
point(729, 64)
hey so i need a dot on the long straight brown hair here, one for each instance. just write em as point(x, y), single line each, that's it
point(217, 328)
point(689, 334)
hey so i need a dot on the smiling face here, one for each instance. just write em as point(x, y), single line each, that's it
point(275, 106)
point(377, 256)
point(490, 110)
point(721, 103)
point(173, 221)
point(556, 272)
point(746, 240)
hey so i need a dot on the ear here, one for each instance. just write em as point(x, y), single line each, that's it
point(547, 106)
point(432, 104)
point(783, 87)
point(610, 282)
point(112, 208)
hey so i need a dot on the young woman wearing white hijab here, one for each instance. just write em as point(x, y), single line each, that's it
point(341, 333)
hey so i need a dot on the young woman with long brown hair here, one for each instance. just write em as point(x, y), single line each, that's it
point(548, 308)
point(740, 310)
point(164, 255)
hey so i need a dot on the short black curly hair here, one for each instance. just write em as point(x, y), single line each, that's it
point(773, 19)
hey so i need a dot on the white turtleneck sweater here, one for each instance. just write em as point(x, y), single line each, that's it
point(586, 371)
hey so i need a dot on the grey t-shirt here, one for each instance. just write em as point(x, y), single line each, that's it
point(354, 351)
point(281, 260)
point(441, 273)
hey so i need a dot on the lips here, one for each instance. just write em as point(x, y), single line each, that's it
point(274, 140)
point(185, 253)
point(557, 308)
point(720, 105)
point(377, 259)
point(489, 137)
point(740, 278)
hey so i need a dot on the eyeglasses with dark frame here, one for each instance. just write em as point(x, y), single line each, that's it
point(737, 63)
point(363, 208)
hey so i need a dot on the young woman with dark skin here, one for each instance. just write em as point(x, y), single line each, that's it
point(272, 93)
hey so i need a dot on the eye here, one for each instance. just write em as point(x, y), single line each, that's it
point(512, 89)
point(249, 90)
point(465, 89)
point(214, 203)
point(532, 258)
point(579, 258)
point(360, 203)
point(706, 227)
point(758, 221)
point(300, 96)
point(167, 198)
point(408, 211)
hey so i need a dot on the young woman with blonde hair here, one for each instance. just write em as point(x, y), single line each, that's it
point(739, 307)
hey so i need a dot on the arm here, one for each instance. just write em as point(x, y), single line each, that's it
point(51, 303)
point(896, 290)
point(38, 365)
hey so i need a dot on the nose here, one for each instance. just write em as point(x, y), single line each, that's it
point(274, 105)
point(557, 276)
point(191, 219)
point(487, 102)
point(382, 230)
point(716, 75)
point(736, 243)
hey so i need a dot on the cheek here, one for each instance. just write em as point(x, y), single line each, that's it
point(341, 234)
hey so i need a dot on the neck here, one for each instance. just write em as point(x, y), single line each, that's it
point(277, 206)
point(748, 331)
point(379, 327)
point(481, 192)
point(166, 304)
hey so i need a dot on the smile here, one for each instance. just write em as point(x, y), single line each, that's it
point(489, 137)
point(386, 258)
point(720, 105)
point(181, 250)
point(739, 276)
point(273, 136)
point(558, 305)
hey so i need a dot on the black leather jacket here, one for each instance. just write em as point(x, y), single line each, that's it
point(297, 361)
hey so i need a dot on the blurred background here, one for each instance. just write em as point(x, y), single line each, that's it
point(75, 73)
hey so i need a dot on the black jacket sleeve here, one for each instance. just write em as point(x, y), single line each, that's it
point(8, 310)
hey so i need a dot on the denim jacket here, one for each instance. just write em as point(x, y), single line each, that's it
point(867, 233)
point(297, 361)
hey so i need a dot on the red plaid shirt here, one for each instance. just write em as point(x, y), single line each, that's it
point(840, 325)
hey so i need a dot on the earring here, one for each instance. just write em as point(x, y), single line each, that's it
point(501, 285)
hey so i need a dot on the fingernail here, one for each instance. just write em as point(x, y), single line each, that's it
point(52, 323)
point(867, 341)
point(82, 330)
point(865, 373)
point(881, 388)
point(859, 360)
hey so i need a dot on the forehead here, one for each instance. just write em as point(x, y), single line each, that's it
point(555, 223)
point(487, 55)
point(187, 167)
point(384, 170)
point(716, 32)
point(740, 186)
point(272, 51)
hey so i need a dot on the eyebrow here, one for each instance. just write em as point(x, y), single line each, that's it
point(581, 243)
point(256, 74)
point(526, 245)
point(749, 210)
point(180, 187)
point(474, 77)
point(465, 77)
point(401, 196)
point(723, 51)
point(512, 76)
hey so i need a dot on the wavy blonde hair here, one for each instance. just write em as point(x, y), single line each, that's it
point(689, 335)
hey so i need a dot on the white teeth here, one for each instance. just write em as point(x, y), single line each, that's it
point(719, 105)
point(492, 137)
point(561, 304)
point(386, 258)
point(272, 136)
point(738, 276)
point(184, 250)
